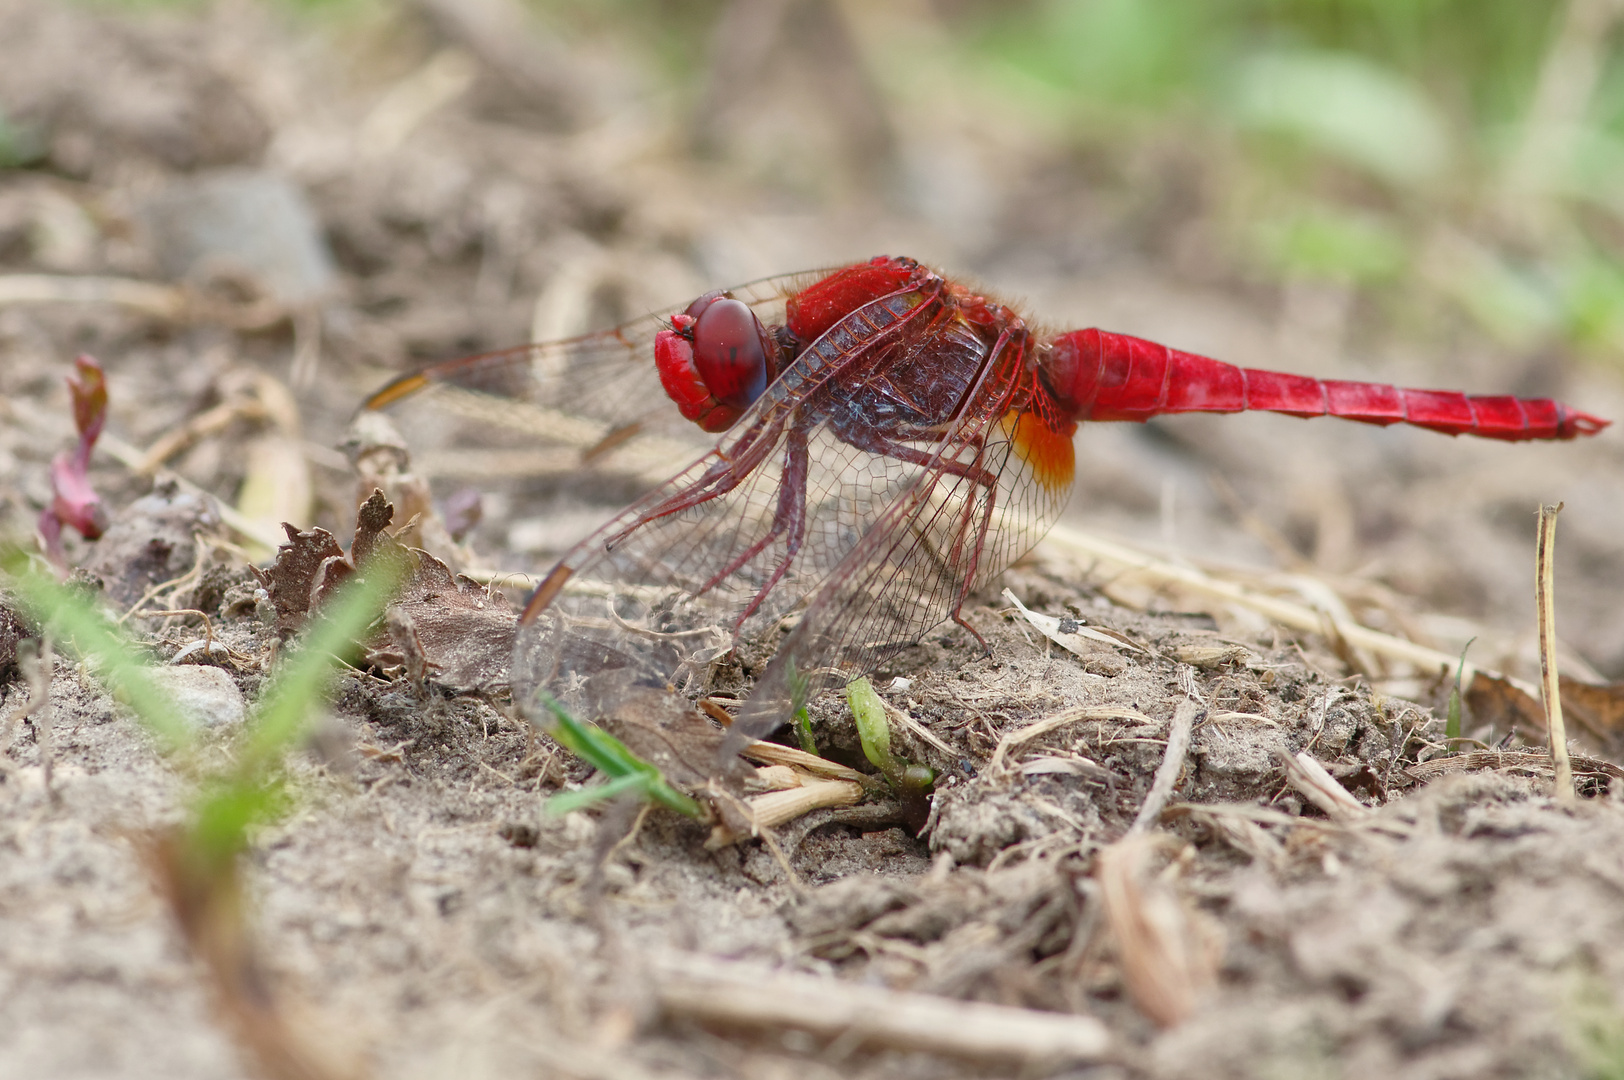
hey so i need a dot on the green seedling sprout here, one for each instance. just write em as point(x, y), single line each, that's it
point(626, 771)
point(873, 729)
point(800, 689)
point(911, 781)
point(1452, 718)
point(245, 794)
point(197, 867)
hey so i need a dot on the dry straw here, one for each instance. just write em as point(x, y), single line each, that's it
point(1545, 604)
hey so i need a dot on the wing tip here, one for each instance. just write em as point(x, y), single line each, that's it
point(402, 387)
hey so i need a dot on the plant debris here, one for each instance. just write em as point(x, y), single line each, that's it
point(459, 631)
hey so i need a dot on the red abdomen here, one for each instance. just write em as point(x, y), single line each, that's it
point(1103, 376)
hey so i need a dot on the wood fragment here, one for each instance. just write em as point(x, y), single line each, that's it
point(776, 807)
point(1322, 789)
point(1167, 774)
point(723, 992)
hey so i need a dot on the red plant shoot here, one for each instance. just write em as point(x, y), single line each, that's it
point(74, 502)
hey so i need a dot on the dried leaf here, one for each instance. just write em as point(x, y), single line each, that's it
point(1072, 635)
point(463, 634)
point(1598, 710)
point(292, 578)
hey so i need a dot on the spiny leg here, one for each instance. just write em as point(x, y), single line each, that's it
point(790, 515)
point(721, 478)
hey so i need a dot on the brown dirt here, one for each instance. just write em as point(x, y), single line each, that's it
point(419, 914)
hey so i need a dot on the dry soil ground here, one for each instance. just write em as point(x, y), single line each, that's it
point(341, 203)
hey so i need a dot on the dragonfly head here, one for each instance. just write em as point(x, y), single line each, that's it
point(716, 360)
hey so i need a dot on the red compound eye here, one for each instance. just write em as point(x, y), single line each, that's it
point(731, 350)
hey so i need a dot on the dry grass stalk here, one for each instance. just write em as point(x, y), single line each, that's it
point(777, 807)
point(162, 301)
point(737, 995)
point(1169, 960)
point(775, 754)
point(1167, 774)
point(1545, 604)
point(1058, 720)
point(205, 424)
point(1293, 615)
point(1322, 789)
point(131, 458)
point(1533, 761)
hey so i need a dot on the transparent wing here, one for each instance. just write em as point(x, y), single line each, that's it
point(592, 399)
point(793, 516)
point(954, 525)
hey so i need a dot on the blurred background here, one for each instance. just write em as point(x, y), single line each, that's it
point(1420, 191)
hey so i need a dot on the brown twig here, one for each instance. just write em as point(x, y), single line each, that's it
point(1167, 774)
point(1545, 604)
point(738, 995)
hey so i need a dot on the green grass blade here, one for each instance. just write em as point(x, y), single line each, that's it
point(610, 756)
point(300, 679)
point(82, 627)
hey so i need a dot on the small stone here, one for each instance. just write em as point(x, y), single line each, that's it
point(206, 697)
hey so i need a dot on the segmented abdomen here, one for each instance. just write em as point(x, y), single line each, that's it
point(1105, 376)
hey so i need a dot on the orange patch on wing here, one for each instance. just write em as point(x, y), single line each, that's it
point(1044, 446)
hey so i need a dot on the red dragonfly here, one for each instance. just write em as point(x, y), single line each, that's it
point(879, 442)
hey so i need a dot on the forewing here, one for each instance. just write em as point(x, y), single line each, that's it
point(551, 407)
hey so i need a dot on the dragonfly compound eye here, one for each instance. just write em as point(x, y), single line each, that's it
point(731, 351)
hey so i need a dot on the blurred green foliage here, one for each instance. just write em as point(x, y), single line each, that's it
point(19, 146)
point(1335, 140)
point(1595, 1029)
point(251, 790)
point(1349, 140)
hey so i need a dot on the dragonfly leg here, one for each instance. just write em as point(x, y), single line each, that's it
point(725, 474)
point(789, 516)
